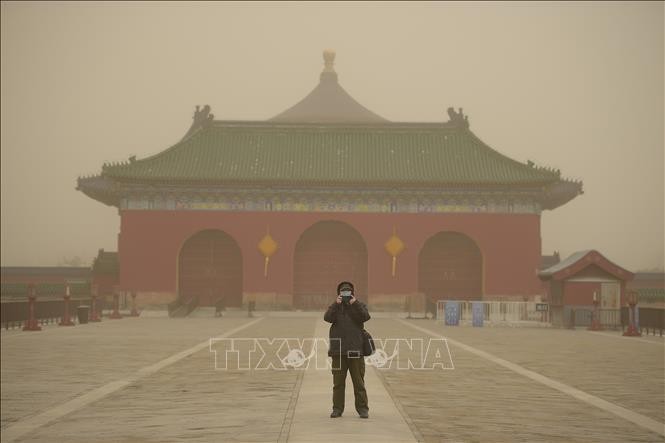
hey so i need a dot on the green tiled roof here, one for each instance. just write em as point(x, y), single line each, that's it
point(311, 154)
point(651, 295)
point(52, 289)
point(7, 288)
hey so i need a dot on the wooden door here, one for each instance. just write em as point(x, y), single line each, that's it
point(210, 267)
point(327, 253)
point(450, 268)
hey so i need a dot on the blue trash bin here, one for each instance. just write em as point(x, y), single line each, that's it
point(452, 313)
point(478, 314)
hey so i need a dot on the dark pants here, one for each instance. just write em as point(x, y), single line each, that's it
point(356, 367)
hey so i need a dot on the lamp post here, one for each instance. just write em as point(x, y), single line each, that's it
point(134, 312)
point(66, 320)
point(632, 327)
point(94, 315)
point(31, 324)
point(407, 305)
point(595, 316)
point(116, 306)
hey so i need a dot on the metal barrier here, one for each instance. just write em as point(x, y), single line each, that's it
point(649, 319)
point(498, 311)
point(574, 316)
point(14, 313)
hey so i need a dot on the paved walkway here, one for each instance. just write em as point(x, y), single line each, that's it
point(639, 419)
point(311, 421)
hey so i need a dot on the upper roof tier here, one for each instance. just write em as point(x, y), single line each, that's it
point(328, 102)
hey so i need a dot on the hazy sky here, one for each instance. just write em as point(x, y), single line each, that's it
point(575, 86)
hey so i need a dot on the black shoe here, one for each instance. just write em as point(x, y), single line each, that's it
point(364, 414)
point(335, 413)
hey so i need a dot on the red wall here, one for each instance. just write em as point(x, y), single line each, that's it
point(580, 293)
point(149, 243)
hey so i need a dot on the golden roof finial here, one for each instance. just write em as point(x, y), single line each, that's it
point(328, 60)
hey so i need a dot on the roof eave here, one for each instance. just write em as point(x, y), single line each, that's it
point(99, 188)
point(561, 192)
point(331, 183)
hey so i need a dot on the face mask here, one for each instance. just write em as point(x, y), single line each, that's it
point(345, 293)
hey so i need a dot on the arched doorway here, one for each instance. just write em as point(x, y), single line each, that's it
point(326, 253)
point(210, 267)
point(450, 267)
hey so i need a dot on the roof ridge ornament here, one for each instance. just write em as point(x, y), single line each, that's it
point(328, 60)
point(328, 72)
point(202, 118)
point(457, 119)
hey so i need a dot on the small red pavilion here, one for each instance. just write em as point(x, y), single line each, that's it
point(279, 211)
point(580, 279)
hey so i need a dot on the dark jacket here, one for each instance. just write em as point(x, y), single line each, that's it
point(347, 325)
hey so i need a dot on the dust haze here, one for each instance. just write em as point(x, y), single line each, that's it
point(573, 86)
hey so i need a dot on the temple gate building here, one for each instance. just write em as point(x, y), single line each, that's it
point(281, 210)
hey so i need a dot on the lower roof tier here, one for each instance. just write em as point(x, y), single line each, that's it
point(163, 196)
point(435, 156)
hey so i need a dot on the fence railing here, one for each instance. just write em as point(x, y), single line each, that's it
point(14, 313)
point(649, 320)
point(583, 316)
point(498, 311)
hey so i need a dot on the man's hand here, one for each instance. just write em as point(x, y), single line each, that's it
point(339, 299)
point(353, 299)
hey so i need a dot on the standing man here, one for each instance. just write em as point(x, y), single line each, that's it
point(347, 315)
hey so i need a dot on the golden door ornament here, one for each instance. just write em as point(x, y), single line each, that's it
point(394, 246)
point(267, 246)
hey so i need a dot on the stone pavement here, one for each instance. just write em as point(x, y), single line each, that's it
point(45, 368)
point(154, 380)
point(624, 370)
point(481, 401)
point(188, 400)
